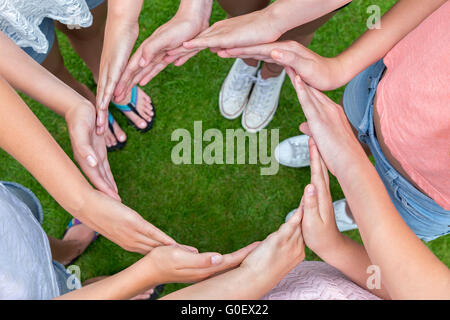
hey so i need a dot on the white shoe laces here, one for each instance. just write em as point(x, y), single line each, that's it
point(298, 150)
point(262, 95)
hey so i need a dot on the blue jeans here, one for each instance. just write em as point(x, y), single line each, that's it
point(63, 277)
point(48, 29)
point(424, 216)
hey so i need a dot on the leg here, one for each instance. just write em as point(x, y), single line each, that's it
point(64, 251)
point(88, 43)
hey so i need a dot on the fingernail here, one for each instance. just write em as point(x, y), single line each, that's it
point(216, 259)
point(310, 190)
point(142, 62)
point(91, 160)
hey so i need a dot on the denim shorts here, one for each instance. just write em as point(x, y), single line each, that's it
point(66, 281)
point(48, 29)
point(424, 216)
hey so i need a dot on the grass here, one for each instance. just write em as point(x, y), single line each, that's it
point(212, 207)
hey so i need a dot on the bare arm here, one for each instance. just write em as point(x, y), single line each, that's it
point(330, 73)
point(409, 270)
point(25, 138)
point(89, 150)
point(259, 27)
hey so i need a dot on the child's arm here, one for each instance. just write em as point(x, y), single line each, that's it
point(167, 264)
point(321, 233)
point(262, 26)
point(262, 270)
point(331, 73)
point(409, 270)
point(25, 138)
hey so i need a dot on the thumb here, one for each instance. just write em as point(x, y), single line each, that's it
point(190, 260)
point(86, 153)
point(304, 127)
point(311, 205)
point(287, 58)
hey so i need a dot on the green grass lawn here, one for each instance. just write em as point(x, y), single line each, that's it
point(212, 207)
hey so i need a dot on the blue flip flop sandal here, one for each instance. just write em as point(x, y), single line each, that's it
point(119, 145)
point(75, 222)
point(131, 106)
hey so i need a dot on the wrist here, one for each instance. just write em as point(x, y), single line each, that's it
point(197, 12)
point(275, 15)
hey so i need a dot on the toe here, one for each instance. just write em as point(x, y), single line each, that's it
point(120, 134)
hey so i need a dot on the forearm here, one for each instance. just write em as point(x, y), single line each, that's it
point(351, 259)
point(199, 10)
point(374, 44)
point(26, 139)
point(237, 284)
point(121, 286)
point(408, 268)
point(26, 75)
point(285, 15)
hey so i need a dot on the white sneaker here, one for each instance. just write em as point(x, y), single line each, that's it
point(343, 221)
point(263, 102)
point(236, 88)
point(293, 152)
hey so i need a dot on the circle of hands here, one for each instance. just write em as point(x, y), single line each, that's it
point(176, 42)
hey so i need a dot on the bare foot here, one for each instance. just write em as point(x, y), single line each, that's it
point(112, 139)
point(143, 106)
point(80, 237)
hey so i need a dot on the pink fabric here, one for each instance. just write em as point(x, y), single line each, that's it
point(315, 280)
point(414, 105)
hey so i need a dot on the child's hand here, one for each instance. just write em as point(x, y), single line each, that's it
point(119, 41)
point(330, 128)
point(89, 149)
point(318, 224)
point(278, 254)
point(245, 30)
point(175, 264)
point(317, 71)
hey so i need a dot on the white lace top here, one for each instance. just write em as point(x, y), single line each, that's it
point(20, 19)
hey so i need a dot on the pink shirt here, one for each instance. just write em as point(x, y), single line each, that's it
point(413, 102)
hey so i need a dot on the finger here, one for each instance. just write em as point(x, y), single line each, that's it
point(291, 73)
point(308, 102)
point(323, 166)
point(190, 260)
point(180, 51)
point(101, 84)
point(189, 248)
point(259, 50)
point(155, 71)
point(130, 71)
point(318, 179)
point(311, 207)
point(151, 232)
point(287, 58)
point(182, 60)
point(198, 43)
point(230, 260)
point(304, 127)
point(110, 176)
